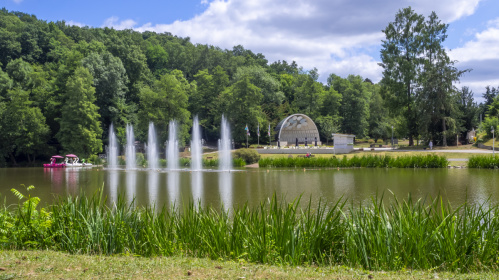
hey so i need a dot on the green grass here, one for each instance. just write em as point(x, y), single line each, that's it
point(409, 234)
point(414, 161)
point(490, 162)
point(38, 264)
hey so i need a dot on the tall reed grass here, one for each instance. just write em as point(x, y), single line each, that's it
point(415, 161)
point(408, 234)
point(490, 162)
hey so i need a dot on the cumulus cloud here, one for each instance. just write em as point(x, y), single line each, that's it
point(482, 55)
point(75, 23)
point(115, 23)
point(333, 35)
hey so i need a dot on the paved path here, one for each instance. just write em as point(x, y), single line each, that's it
point(457, 159)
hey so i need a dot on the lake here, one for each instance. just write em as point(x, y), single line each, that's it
point(253, 186)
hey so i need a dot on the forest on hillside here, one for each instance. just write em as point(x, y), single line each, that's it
point(61, 87)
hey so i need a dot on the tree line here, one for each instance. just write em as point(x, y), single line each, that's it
point(61, 86)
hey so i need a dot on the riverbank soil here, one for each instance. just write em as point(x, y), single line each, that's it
point(59, 265)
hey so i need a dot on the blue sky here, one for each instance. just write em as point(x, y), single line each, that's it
point(336, 36)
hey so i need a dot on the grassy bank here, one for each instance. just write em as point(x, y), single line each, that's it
point(400, 235)
point(414, 161)
point(58, 265)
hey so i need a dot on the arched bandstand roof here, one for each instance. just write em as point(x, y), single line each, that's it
point(296, 126)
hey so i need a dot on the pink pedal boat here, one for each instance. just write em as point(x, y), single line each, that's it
point(53, 163)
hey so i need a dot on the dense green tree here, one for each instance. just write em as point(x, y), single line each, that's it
point(157, 59)
point(308, 96)
point(110, 81)
point(80, 129)
point(401, 56)
point(23, 130)
point(354, 109)
point(241, 103)
point(166, 100)
point(327, 126)
point(19, 71)
point(377, 117)
point(204, 102)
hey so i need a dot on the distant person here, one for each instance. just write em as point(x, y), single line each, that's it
point(431, 145)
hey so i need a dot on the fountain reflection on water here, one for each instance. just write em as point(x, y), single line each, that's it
point(112, 150)
point(113, 185)
point(225, 189)
point(152, 185)
point(131, 185)
point(152, 148)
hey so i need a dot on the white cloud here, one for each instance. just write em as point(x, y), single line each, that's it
point(484, 46)
point(17, 1)
point(75, 23)
point(115, 23)
point(333, 35)
point(481, 54)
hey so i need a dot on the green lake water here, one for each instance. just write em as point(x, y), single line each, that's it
point(253, 186)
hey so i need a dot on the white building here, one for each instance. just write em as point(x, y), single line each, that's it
point(343, 143)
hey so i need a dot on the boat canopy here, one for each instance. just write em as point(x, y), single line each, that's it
point(71, 155)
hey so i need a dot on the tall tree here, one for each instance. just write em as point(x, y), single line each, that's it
point(80, 129)
point(110, 81)
point(400, 55)
point(437, 91)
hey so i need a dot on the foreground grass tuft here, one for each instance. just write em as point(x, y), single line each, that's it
point(395, 236)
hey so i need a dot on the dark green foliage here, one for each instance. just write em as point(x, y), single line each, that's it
point(428, 161)
point(250, 156)
point(398, 235)
point(490, 162)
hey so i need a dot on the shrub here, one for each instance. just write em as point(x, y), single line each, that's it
point(95, 159)
point(419, 161)
point(250, 156)
point(490, 162)
point(140, 160)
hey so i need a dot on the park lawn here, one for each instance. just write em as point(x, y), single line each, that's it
point(490, 142)
point(41, 264)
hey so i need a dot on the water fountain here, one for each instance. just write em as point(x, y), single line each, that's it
point(196, 147)
point(130, 147)
point(152, 150)
point(172, 147)
point(112, 149)
point(224, 147)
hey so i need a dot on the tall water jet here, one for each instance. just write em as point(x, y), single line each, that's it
point(196, 146)
point(112, 149)
point(152, 150)
point(130, 147)
point(172, 147)
point(224, 147)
